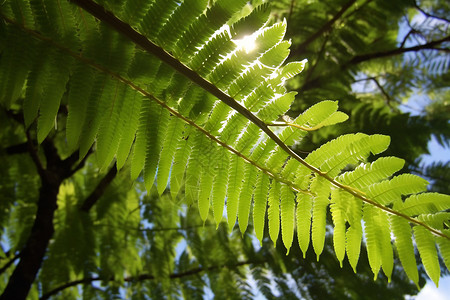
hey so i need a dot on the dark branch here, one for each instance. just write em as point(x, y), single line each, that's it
point(314, 83)
point(187, 228)
point(17, 149)
point(99, 189)
point(33, 253)
point(365, 57)
point(383, 91)
point(9, 263)
point(82, 162)
point(144, 277)
point(429, 15)
point(34, 156)
point(324, 29)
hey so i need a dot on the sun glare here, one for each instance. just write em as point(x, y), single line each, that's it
point(247, 43)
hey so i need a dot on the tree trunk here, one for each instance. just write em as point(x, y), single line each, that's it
point(33, 253)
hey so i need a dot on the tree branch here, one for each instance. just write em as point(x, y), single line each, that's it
point(429, 15)
point(33, 253)
point(9, 263)
point(99, 189)
point(17, 149)
point(144, 277)
point(325, 28)
point(365, 57)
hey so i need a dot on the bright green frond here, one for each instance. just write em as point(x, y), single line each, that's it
point(303, 220)
point(337, 209)
point(389, 191)
point(260, 204)
point(235, 177)
point(245, 197)
point(220, 186)
point(366, 174)
point(405, 249)
point(287, 216)
point(273, 212)
point(426, 203)
point(174, 134)
point(321, 188)
point(427, 249)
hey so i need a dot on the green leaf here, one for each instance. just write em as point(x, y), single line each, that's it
point(245, 197)
point(287, 216)
point(220, 187)
point(273, 211)
point(425, 203)
point(403, 242)
point(338, 215)
point(236, 175)
point(321, 188)
point(427, 250)
point(304, 207)
point(260, 204)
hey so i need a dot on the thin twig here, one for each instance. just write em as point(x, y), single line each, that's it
point(324, 29)
point(144, 277)
point(99, 189)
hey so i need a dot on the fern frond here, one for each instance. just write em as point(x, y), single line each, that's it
point(260, 204)
point(377, 233)
point(80, 87)
point(444, 249)
point(337, 209)
point(388, 191)
point(321, 188)
point(426, 203)
point(173, 137)
point(15, 65)
point(367, 174)
point(204, 26)
point(245, 197)
point(130, 118)
point(273, 212)
point(179, 163)
point(428, 253)
point(59, 68)
point(220, 184)
point(236, 175)
point(207, 126)
point(303, 218)
point(354, 232)
point(287, 216)
point(405, 249)
point(205, 188)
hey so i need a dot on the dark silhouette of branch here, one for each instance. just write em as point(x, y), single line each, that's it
point(428, 46)
point(383, 91)
point(156, 229)
point(33, 253)
point(75, 157)
point(144, 277)
point(9, 263)
point(291, 9)
point(324, 29)
point(99, 189)
point(433, 45)
point(429, 15)
point(17, 149)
